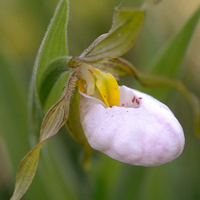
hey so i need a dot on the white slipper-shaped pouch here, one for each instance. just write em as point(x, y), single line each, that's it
point(140, 131)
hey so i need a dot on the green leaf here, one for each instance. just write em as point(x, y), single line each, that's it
point(56, 91)
point(51, 75)
point(125, 28)
point(52, 50)
point(54, 44)
point(168, 61)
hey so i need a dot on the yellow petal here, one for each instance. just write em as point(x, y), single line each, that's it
point(92, 81)
point(108, 88)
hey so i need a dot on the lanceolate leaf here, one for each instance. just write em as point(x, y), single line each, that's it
point(56, 91)
point(54, 46)
point(51, 75)
point(126, 26)
point(169, 60)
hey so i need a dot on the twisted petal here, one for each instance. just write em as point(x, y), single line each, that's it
point(141, 131)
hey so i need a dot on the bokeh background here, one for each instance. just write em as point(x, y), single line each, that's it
point(22, 26)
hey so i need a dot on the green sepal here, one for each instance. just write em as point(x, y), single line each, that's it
point(57, 115)
point(121, 37)
point(74, 127)
point(26, 172)
point(55, 118)
point(116, 66)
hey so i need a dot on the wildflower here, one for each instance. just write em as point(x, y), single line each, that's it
point(123, 123)
point(136, 129)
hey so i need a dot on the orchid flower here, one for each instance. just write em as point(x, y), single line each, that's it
point(124, 123)
point(127, 125)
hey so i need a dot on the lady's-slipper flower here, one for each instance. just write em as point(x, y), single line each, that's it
point(123, 123)
point(138, 130)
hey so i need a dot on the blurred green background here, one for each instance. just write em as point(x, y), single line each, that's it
point(22, 26)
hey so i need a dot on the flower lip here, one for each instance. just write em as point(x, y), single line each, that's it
point(129, 99)
point(145, 133)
